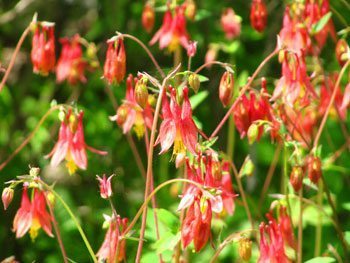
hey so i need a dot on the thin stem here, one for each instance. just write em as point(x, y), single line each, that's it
point(243, 90)
point(318, 237)
point(231, 138)
point(325, 116)
point(336, 220)
point(57, 230)
point(30, 136)
point(300, 227)
point(241, 191)
point(227, 241)
point(269, 176)
point(150, 160)
point(14, 55)
point(149, 53)
point(75, 220)
point(224, 65)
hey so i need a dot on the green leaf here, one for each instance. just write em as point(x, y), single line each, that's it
point(347, 236)
point(198, 98)
point(167, 241)
point(168, 219)
point(321, 260)
point(230, 48)
point(318, 26)
point(202, 14)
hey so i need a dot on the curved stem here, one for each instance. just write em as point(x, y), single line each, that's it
point(57, 230)
point(243, 90)
point(325, 116)
point(227, 241)
point(145, 203)
point(211, 63)
point(75, 220)
point(318, 237)
point(161, 72)
point(27, 140)
point(13, 58)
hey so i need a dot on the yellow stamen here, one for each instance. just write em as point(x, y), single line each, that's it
point(34, 229)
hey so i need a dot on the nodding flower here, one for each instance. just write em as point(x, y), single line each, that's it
point(43, 48)
point(113, 241)
point(177, 127)
point(71, 144)
point(130, 114)
point(115, 64)
point(71, 65)
point(216, 195)
point(258, 15)
point(148, 17)
point(173, 31)
point(275, 237)
point(231, 23)
point(32, 215)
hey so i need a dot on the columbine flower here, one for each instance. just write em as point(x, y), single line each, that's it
point(178, 127)
point(252, 109)
point(196, 225)
point(71, 144)
point(293, 34)
point(105, 186)
point(108, 251)
point(71, 65)
point(215, 196)
point(294, 86)
point(314, 168)
point(131, 114)
point(115, 65)
point(314, 11)
point(43, 48)
point(173, 30)
point(258, 15)
point(230, 23)
point(32, 215)
point(148, 17)
point(274, 236)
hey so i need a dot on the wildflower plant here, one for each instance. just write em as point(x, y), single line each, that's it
point(172, 118)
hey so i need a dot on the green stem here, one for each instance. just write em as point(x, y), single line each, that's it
point(318, 237)
point(75, 220)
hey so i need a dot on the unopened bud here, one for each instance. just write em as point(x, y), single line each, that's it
point(152, 100)
point(296, 178)
point(341, 51)
point(105, 186)
point(211, 54)
point(122, 114)
point(192, 49)
point(226, 88)
point(7, 196)
point(245, 248)
point(258, 15)
point(193, 82)
point(314, 169)
point(141, 92)
point(148, 17)
point(253, 133)
point(34, 171)
point(191, 9)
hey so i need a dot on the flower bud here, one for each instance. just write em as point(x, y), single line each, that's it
point(192, 48)
point(34, 171)
point(296, 177)
point(245, 248)
point(7, 196)
point(191, 9)
point(226, 88)
point(148, 17)
point(253, 133)
point(141, 92)
point(105, 186)
point(122, 114)
point(314, 167)
point(341, 50)
point(258, 15)
point(211, 54)
point(193, 82)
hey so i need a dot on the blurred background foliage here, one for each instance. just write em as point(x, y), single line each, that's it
point(27, 97)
